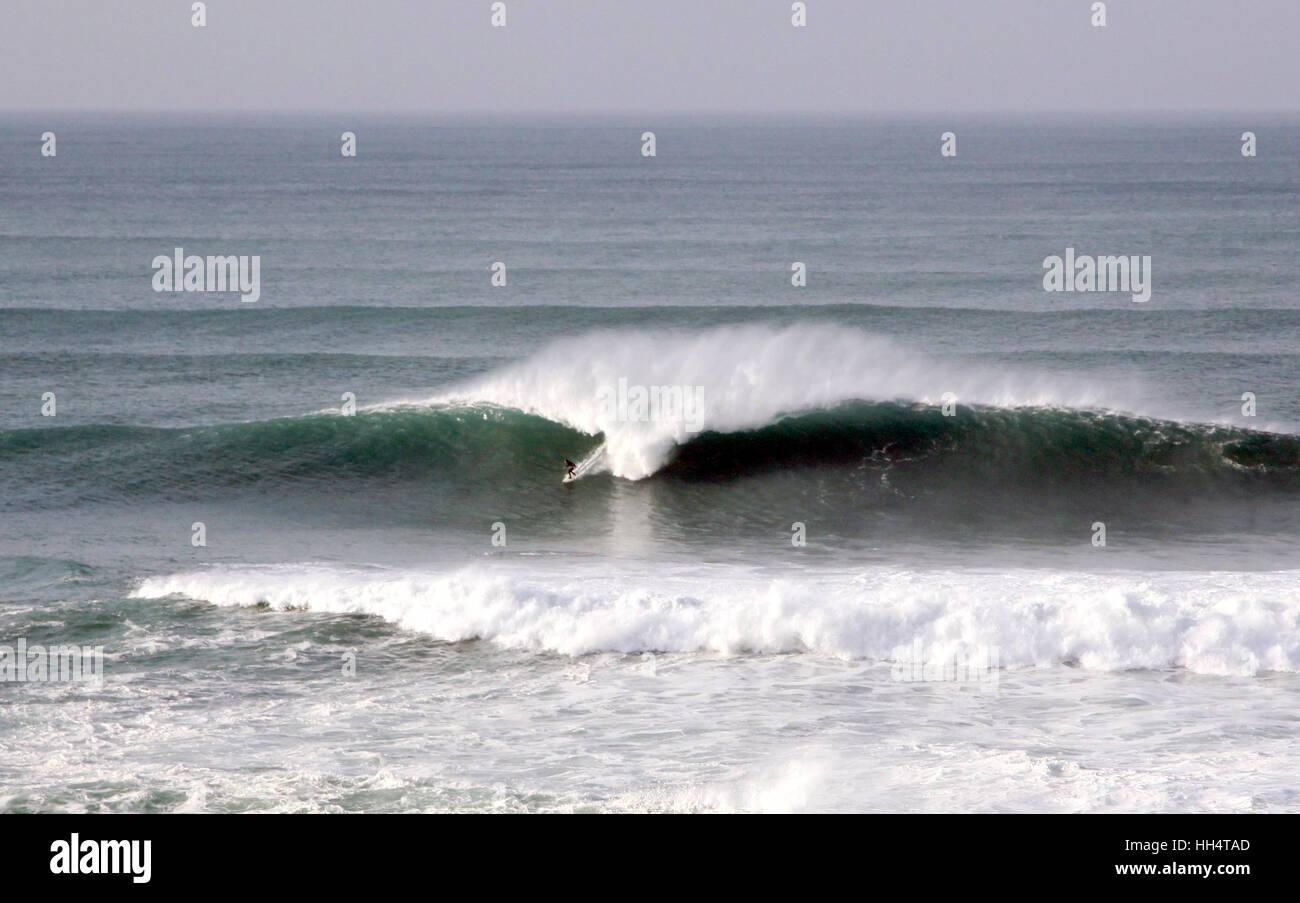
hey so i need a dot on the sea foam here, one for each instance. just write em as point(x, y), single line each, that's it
point(1216, 623)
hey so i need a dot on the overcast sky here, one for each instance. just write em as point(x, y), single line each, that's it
point(650, 55)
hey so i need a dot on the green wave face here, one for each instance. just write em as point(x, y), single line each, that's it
point(856, 469)
point(1029, 445)
point(113, 463)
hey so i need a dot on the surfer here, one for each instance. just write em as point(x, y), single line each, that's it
point(571, 468)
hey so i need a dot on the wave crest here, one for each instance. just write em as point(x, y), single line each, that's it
point(749, 377)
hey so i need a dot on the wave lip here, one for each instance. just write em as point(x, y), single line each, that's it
point(1217, 623)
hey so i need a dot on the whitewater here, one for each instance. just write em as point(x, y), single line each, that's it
point(1218, 623)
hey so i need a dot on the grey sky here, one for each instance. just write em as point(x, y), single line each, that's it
point(650, 55)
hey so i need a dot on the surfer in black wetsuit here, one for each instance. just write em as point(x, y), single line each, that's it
point(571, 468)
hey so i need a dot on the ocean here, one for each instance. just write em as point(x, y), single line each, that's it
point(916, 535)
